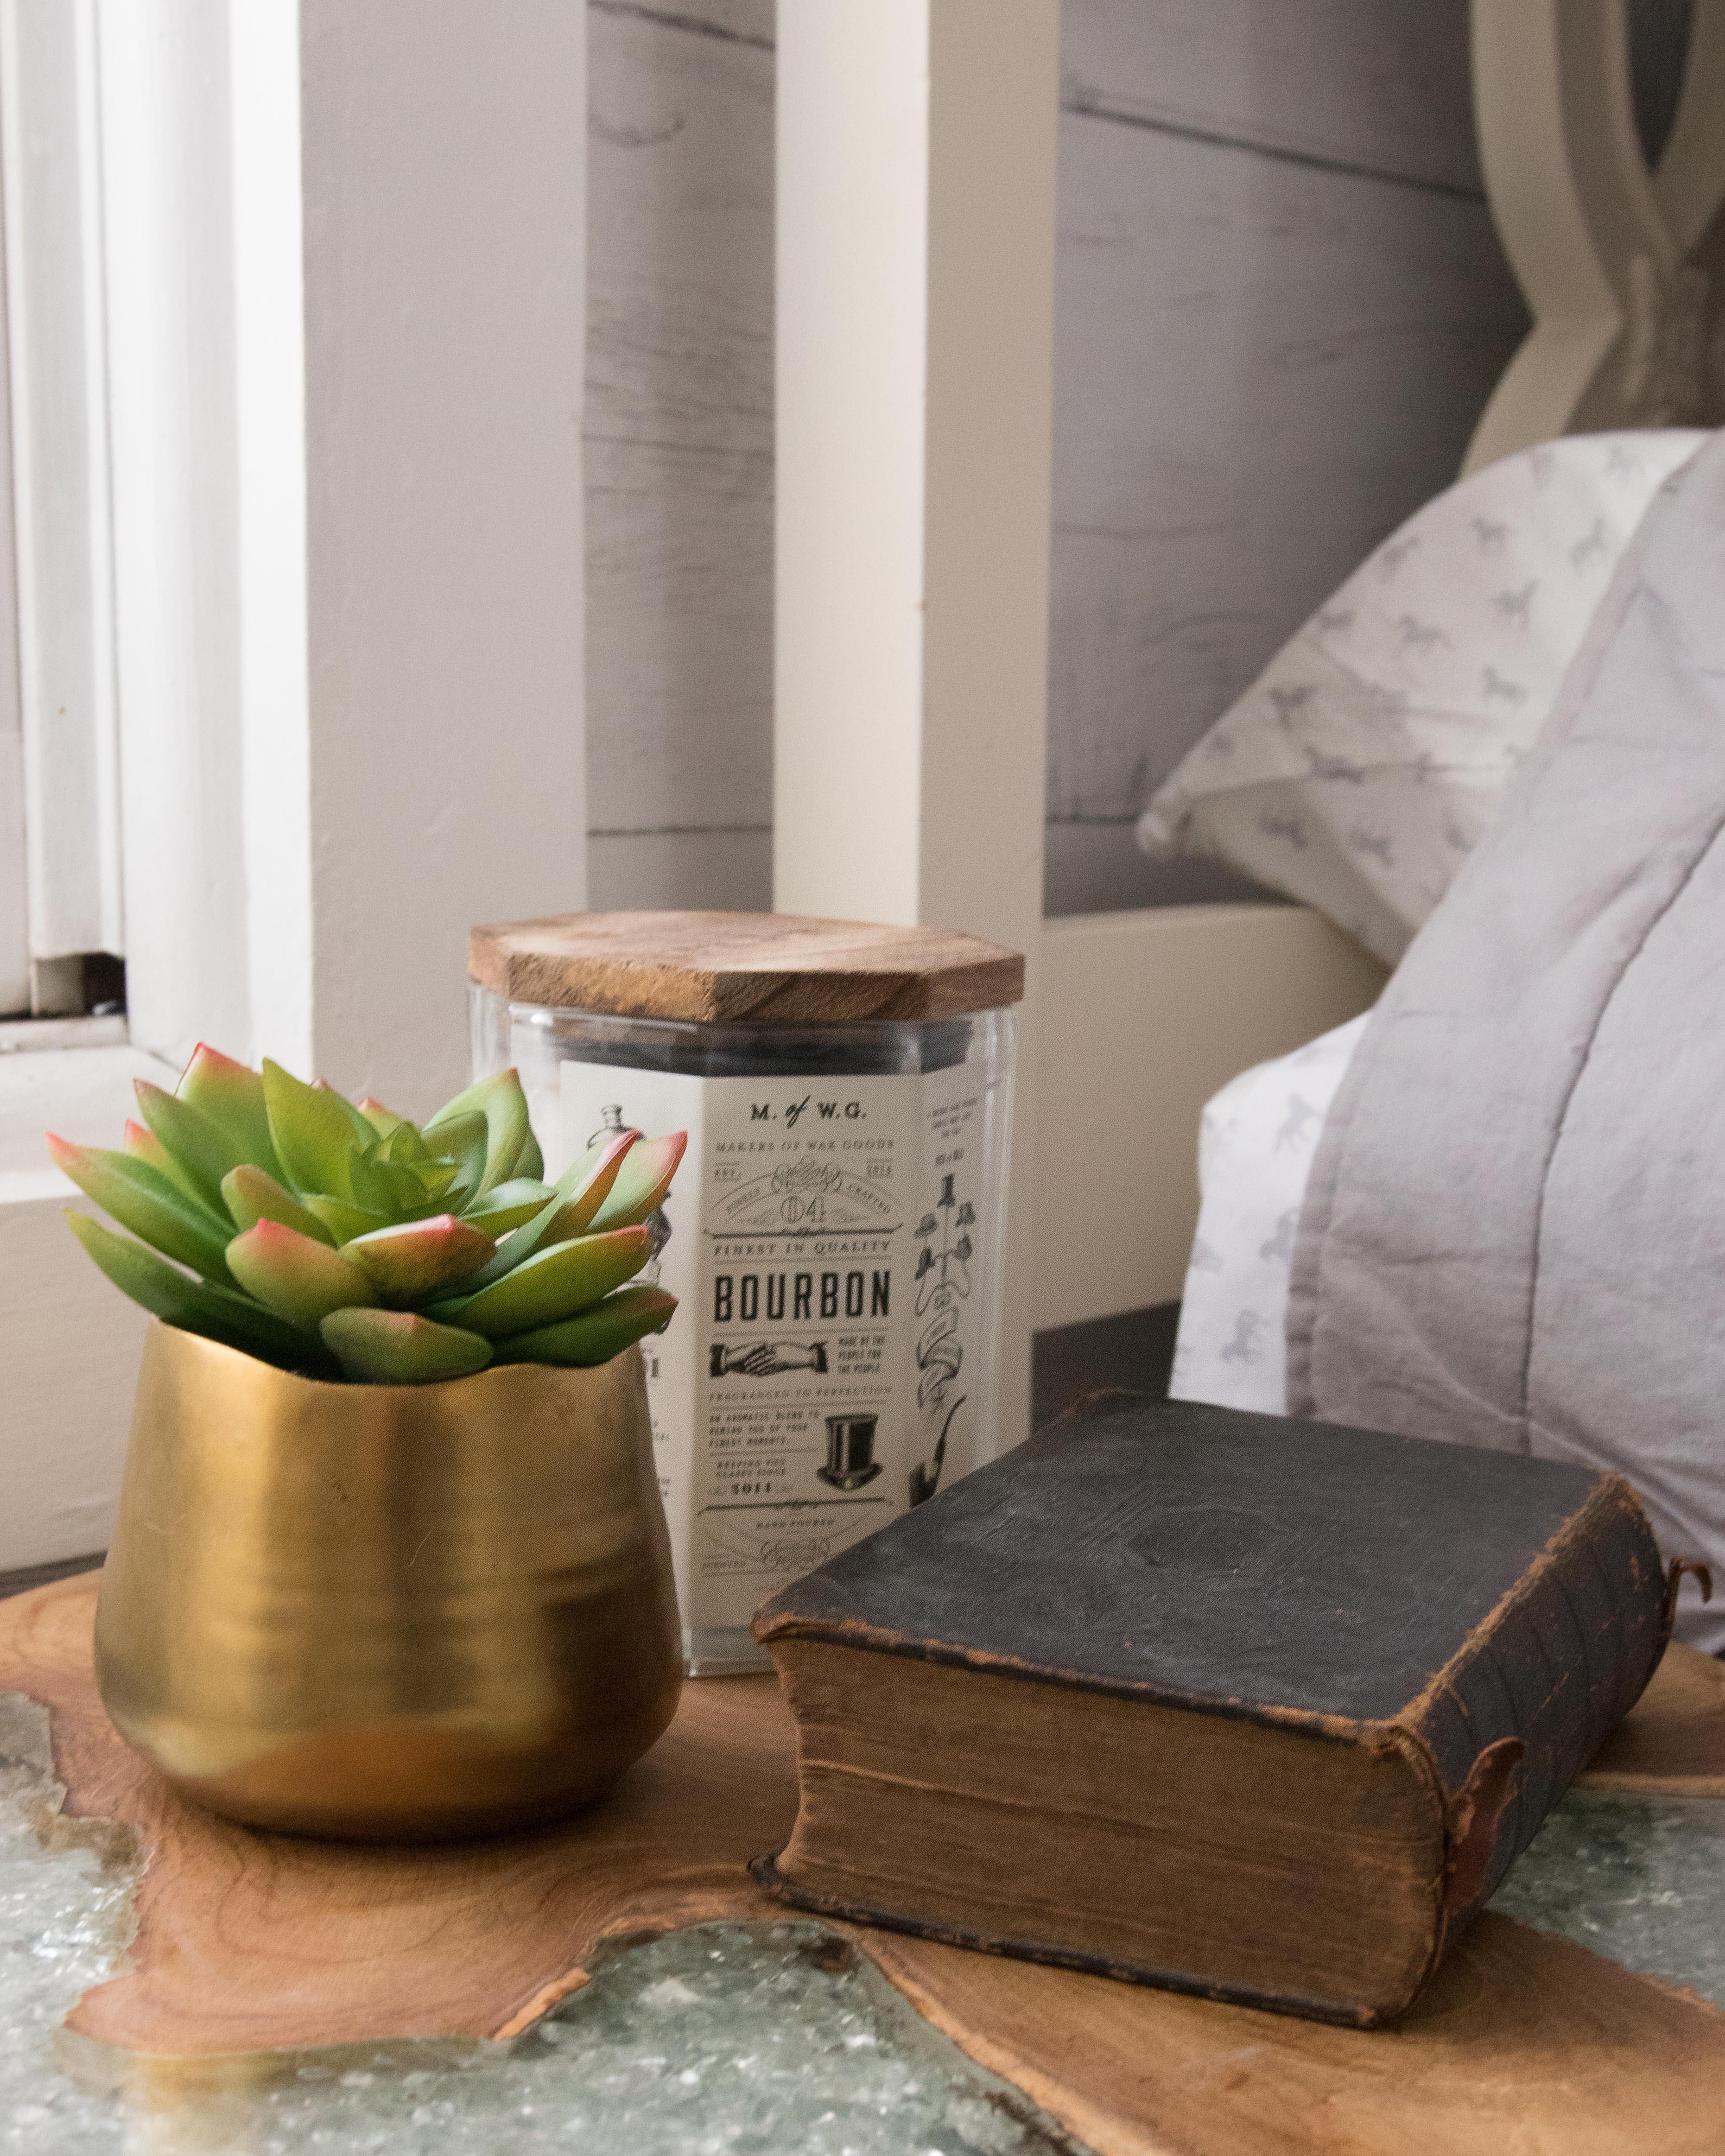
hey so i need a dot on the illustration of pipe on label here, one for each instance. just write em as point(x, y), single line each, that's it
point(765, 1358)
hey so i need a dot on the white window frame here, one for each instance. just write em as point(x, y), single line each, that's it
point(63, 772)
point(339, 263)
point(14, 874)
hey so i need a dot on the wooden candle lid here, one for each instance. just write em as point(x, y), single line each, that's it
point(781, 969)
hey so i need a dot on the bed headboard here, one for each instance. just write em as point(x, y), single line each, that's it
point(1143, 1015)
point(1621, 267)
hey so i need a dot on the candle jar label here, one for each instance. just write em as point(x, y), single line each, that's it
point(826, 1368)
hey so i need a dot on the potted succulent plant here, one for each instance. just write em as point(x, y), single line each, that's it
point(390, 1561)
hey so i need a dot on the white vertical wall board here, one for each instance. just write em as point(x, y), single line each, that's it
point(1142, 1017)
point(853, 115)
point(14, 879)
point(678, 449)
point(1377, 85)
point(915, 190)
point(443, 220)
point(14, 910)
point(51, 185)
point(166, 150)
point(270, 526)
point(993, 118)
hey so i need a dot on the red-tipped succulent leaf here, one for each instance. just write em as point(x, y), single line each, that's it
point(416, 1259)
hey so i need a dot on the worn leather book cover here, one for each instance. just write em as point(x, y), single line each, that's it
point(1251, 1707)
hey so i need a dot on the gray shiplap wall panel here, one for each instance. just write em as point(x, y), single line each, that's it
point(679, 443)
point(748, 22)
point(1382, 84)
point(1260, 368)
point(638, 870)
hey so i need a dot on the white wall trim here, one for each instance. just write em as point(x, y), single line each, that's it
point(443, 176)
point(915, 279)
point(50, 178)
point(167, 144)
point(14, 866)
point(347, 280)
point(1143, 1015)
point(270, 415)
point(346, 315)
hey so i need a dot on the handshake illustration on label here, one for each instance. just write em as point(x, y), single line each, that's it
point(765, 1358)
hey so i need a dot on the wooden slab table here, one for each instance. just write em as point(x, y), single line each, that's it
point(252, 1945)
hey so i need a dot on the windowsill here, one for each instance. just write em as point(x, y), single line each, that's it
point(72, 1340)
point(28, 1035)
point(84, 1093)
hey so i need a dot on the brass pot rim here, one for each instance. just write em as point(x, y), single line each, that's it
point(345, 1388)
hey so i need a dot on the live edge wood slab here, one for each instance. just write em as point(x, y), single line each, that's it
point(249, 1944)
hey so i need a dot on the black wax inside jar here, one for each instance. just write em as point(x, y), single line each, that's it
point(763, 1051)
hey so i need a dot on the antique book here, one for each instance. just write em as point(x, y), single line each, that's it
point(1250, 1707)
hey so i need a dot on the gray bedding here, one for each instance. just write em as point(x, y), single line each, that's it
point(1514, 1232)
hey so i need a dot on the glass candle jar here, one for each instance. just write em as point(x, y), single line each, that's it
point(834, 1236)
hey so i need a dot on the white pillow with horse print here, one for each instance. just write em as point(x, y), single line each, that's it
point(1255, 1147)
point(1359, 770)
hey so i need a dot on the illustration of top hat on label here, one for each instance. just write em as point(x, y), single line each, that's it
point(850, 1451)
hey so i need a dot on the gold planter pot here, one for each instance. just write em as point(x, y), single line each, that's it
point(387, 1612)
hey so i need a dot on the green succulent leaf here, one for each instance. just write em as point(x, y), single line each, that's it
point(643, 1180)
point(141, 1198)
point(300, 1279)
point(231, 1095)
point(586, 1183)
point(398, 1190)
point(404, 1145)
point(251, 1195)
point(530, 1162)
point(509, 1205)
point(552, 1284)
point(143, 1145)
point(396, 1347)
point(344, 1221)
point(363, 1133)
point(200, 1149)
point(314, 1139)
point(372, 1184)
point(499, 1099)
point(418, 1259)
point(195, 1305)
point(597, 1334)
point(462, 1142)
point(577, 1195)
point(384, 1121)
